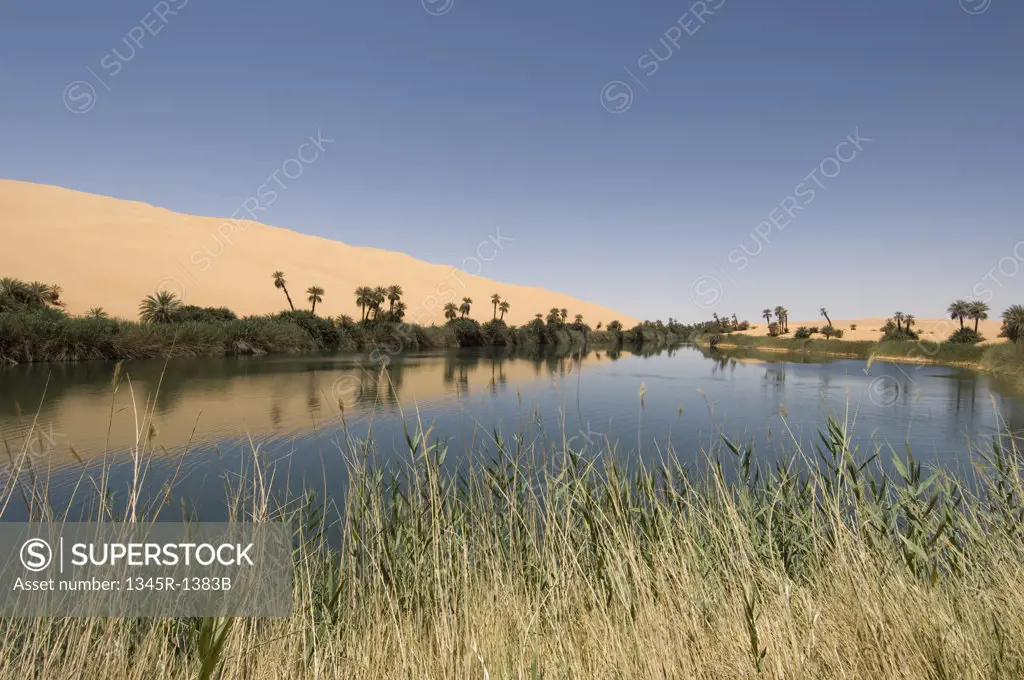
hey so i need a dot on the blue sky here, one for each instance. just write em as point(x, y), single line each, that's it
point(452, 118)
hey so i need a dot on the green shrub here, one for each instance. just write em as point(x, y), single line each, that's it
point(802, 332)
point(966, 336)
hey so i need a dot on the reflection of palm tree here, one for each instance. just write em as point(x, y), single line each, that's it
point(279, 282)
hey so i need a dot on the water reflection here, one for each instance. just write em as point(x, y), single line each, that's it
point(302, 400)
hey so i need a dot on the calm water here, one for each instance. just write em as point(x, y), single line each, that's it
point(208, 414)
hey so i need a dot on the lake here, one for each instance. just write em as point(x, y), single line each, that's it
point(302, 413)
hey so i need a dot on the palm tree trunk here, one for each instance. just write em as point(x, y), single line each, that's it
point(313, 308)
point(961, 322)
point(289, 298)
point(502, 316)
point(976, 320)
point(364, 310)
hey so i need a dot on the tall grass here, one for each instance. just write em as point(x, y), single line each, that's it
point(533, 558)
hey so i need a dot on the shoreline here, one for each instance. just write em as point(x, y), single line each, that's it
point(1000, 360)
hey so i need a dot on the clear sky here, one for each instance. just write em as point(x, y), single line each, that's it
point(452, 118)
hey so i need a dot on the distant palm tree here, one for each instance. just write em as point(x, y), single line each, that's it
point(394, 294)
point(554, 315)
point(824, 313)
point(959, 310)
point(279, 282)
point(159, 308)
point(495, 300)
point(564, 313)
point(345, 320)
point(504, 307)
point(399, 311)
point(364, 298)
point(538, 316)
point(316, 294)
point(898, 317)
point(578, 318)
point(465, 306)
point(977, 311)
point(785, 320)
point(96, 313)
point(380, 294)
point(908, 321)
point(615, 325)
point(779, 312)
point(767, 314)
point(1013, 323)
point(450, 311)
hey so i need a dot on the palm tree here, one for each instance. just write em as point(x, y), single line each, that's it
point(614, 325)
point(1013, 323)
point(159, 308)
point(394, 294)
point(959, 310)
point(898, 317)
point(450, 311)
point(977, 311)
point(767, 314)
point(495, 300)
point(824, 313)
point(96, 313)
point(538, 316)
point(504, 307)
point(364, 298)
point(779, 313)
point(399, 311)
point(380, 294)
point(578, 318)
point(316, 294)
point(345, 320)
point(554, 315)
point(785, 320)
point(564, 313)
point(908, 321)
point(279, 282)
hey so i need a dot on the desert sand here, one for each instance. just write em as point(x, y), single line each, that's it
point(871, 328)
point(111, 253)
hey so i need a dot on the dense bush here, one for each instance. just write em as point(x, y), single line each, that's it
point(967, 336)
point(204, 314)
point(802, 332)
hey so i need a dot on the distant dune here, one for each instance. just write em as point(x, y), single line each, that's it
point(871, 328)
point(110, 253)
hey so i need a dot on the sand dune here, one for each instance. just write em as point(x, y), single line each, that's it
point(871, 328)
point(110, 253)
